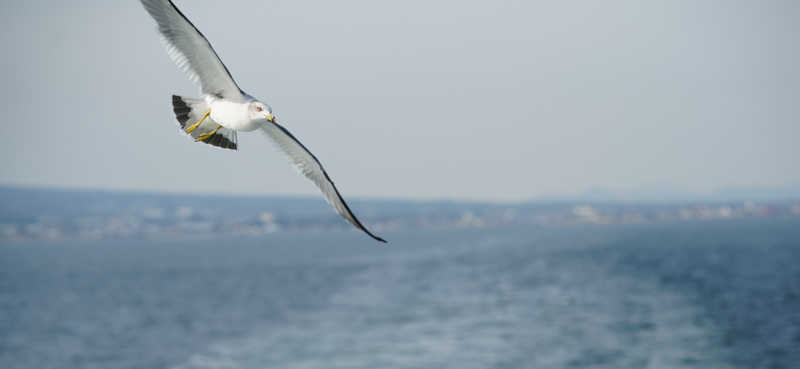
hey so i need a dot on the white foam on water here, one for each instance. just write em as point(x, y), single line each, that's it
point(450, 312)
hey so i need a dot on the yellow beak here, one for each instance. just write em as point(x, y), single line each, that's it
point(271, 118)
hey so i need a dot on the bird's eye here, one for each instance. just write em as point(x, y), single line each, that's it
point(258, 108)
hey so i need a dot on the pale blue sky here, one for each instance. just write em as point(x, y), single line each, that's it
point(414, 99)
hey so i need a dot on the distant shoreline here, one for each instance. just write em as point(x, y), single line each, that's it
point(58, 214)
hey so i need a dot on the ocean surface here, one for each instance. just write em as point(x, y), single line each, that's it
point(686, 295)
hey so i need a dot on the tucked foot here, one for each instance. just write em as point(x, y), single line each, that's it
point(206, 135)
point(191, 128)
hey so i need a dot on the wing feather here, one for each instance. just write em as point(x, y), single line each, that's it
point(191, 51)
point(311, 168)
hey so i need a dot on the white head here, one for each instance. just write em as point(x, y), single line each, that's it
point(259, 111)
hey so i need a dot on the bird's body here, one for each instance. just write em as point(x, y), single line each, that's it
point(225, 109)
point(233, 115)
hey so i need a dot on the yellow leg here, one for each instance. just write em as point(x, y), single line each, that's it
point(191, 128)
point(205, 136)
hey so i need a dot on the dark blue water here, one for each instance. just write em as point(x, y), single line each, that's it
point(691, 295)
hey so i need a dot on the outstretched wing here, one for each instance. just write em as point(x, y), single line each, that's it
point(308, 164)
point(191, 51)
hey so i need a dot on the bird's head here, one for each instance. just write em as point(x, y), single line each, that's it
point(259, 111)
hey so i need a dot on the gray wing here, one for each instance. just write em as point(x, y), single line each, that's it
point(308, 164)
point(191, 51)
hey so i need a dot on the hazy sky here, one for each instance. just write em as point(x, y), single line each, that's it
point(434, 99)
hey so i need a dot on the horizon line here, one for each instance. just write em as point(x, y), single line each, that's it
point(594, 195)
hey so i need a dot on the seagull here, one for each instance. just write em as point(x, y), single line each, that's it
point(225, 109)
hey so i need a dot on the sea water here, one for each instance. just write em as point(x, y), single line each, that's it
point(684, 295)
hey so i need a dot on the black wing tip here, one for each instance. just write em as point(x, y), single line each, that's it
point(376, 238)
point(361, 227)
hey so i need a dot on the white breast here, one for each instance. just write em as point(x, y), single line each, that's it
point(233, 115)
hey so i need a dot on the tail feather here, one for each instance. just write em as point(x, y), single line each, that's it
point(182, 109)
point(189, 111)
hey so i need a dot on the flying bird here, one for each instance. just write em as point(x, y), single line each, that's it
point(225, 109)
